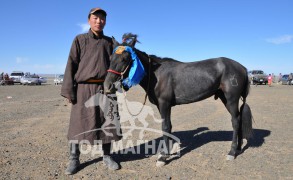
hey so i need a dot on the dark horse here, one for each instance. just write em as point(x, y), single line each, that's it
point(169, 82)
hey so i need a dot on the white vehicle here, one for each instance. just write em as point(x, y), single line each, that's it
point(16, 76)
point(59, 79)
point(42, 80)
point(30, 80)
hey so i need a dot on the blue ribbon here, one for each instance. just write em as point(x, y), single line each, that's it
point(136, 72)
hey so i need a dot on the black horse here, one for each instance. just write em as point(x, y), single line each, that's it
point(169, 82)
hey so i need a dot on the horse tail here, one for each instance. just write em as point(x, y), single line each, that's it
point(245, 92)
point(246, 121)
point(245, 113)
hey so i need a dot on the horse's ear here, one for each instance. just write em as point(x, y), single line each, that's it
point(129, 39)
point(115, 43)
point(133, 42)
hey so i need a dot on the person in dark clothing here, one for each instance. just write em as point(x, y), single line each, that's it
point(290, 78)
point(2, 76)
point(85, 71)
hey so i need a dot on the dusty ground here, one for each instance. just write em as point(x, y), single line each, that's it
point(34, 122)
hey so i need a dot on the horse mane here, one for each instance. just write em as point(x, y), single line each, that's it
point(165, 59)
point(129, 39)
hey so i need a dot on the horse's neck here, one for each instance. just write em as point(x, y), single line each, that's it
point(144, 58)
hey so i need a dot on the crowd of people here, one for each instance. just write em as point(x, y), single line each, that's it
point(273, 79)
point(5, 80)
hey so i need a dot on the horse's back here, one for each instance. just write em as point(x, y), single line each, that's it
point(195, 81)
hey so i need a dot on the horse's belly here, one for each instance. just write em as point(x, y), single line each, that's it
point(190, 95)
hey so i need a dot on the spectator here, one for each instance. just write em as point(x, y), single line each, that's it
point(290, 78)
point(6, 77)
point(1, 76)
point(280, 78)
point(270, 80)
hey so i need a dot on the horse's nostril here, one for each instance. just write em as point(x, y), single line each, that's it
point(109, 88)
point(107, 92)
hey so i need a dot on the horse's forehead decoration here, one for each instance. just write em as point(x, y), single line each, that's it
point(119, 50)
point(136, 72)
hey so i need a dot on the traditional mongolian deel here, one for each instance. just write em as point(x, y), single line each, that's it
point(136, 72)
point(81, 67)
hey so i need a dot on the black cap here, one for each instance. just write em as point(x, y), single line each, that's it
point(95, 10)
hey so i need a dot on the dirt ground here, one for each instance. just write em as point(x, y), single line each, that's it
point(34, 122)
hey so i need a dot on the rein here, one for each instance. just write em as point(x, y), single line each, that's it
point(119, 73)
point(146, 95)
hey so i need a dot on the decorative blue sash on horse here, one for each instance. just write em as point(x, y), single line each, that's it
point(136, 72)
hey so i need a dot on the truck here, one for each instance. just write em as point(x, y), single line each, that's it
point(16, 76)
point(258, 77)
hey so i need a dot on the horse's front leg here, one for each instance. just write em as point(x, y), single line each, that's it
point(165, 111)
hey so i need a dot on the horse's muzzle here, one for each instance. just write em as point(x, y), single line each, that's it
point(109, 88)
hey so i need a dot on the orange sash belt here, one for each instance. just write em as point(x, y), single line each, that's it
point(95, 80)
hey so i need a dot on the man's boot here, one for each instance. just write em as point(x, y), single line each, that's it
point(73, 160)
point(107, 159)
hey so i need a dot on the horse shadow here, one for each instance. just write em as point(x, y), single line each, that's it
point(190, 140)
point(193, 139)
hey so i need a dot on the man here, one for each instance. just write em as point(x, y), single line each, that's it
point(86, 69)
point(280, 78)
point(2, 76)
point(290, 77)
point(270, 80)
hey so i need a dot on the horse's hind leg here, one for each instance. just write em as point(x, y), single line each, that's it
point(233, 110)
point(231, 103)
point(240, 136)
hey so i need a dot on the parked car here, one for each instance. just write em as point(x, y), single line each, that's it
point(285, 79)
point(30, 80)
point(42, 80)
point(59, 79)
point(16, 76)
point(258, 77)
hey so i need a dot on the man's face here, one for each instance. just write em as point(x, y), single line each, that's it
point(97, 22)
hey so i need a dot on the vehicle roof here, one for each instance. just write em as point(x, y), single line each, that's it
point(17, 71)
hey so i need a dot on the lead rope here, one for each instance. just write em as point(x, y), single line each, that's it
point(146, 95)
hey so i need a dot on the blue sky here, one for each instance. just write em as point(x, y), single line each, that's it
point(36, 35)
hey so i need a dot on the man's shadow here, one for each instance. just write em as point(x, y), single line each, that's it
point(190, 140)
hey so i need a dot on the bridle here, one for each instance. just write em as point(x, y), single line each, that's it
point(148, 85)
point(120, 73)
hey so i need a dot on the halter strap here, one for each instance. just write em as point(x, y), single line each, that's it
point(113, 71)
point(119, 73)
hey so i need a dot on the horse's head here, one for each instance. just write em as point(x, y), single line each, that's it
point(122, 62)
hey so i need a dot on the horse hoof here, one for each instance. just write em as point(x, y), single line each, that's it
point(176, 148)
point(238, 152)
point(160, 163)
point(230, 157)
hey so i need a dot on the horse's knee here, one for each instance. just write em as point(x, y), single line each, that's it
point(235, 123)
point(166, 128)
